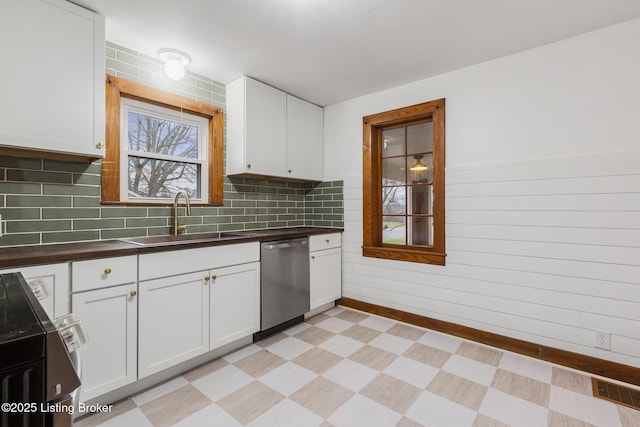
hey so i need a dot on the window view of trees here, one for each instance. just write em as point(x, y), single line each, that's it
point(158, 143)
point(393, 208)
point(162, 157)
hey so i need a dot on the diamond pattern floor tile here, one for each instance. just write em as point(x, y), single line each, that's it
point(348, 368)
point(250, 401)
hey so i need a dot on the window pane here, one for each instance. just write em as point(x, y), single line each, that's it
point(162, 178)
point(420, 138)
point(393, 171)
point(420, 200)
point(394, 230)
point(393, 142)
point(394, 200)
point(420, 168)
point(154, 135)
point(421, 230)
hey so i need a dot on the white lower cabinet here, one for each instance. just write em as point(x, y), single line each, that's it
point(174, 321)
point(104, 298)
point(146, 313)
point(195, 300)
point(109, 357)
point(56, 279)
point(234, 296)
point(325, 269)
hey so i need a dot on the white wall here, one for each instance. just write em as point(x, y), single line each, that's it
point(542, 196)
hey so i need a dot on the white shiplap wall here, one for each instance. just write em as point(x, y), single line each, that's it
point(542, 196)
point(547, 251)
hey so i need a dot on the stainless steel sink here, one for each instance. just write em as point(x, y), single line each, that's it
point(183, 239)
point(239, 234)
point(173, 240)
point(188, 238)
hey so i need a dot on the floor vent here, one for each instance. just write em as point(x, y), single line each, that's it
point(616, 393)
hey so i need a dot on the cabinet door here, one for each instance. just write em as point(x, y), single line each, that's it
point(56, 279)
point(109, 357)
point(265, 127)
point(53, 86)
point(173, 321)
point(305, 129)
point(326, 276)
point(235, 303)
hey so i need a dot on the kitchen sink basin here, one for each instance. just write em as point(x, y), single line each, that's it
point(187, 238)
point(209, 237)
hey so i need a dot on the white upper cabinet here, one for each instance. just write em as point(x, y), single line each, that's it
point(272, 133)
point(52, 82)
point(256, 128)
point(305, 130)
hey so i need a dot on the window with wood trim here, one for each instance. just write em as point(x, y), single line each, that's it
point(403, 184)
point(159, 143)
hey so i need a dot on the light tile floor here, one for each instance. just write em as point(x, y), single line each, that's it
point(345, 368)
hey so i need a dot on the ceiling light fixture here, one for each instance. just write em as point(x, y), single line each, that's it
point(419, 166)
point(420, 173)
point(175, 62)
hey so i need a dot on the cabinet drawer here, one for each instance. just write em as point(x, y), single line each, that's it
point(325, 241)
point(100, 273)
point(171, 263)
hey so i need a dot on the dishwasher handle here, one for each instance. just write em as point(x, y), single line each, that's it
point(285, 244)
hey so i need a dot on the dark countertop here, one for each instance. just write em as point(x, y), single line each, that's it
point(18, 256)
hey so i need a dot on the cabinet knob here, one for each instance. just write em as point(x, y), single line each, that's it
point(214, 277)
point(313, 257)
point(100, 145)
point(133, 293)
point(206, 278)
point(107, 270)
point(327, 240)
point(249, 166)
point(289, 170)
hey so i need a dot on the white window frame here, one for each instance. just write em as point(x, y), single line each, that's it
point(163, 113)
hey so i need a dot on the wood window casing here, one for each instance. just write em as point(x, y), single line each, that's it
point(373, 126)
point(117, 88)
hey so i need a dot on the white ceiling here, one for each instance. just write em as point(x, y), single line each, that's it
point(327, 51)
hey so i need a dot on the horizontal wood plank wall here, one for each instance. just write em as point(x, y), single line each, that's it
point(544, 251)
point(604, 368)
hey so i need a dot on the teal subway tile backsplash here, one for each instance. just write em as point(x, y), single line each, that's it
point(19, 188)
point(69, 213)
point(20, 163)
point(33, 216)
point(15, 200)
point(37, 176)
point(20, 213)
point(98, 224)
point(52, 201)
point(71, 236)
point(37, 225)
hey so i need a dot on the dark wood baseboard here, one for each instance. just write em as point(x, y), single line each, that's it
point(604, 368)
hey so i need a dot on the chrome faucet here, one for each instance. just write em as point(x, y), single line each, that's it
point(179, 229)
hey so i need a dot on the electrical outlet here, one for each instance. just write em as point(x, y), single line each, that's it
point(603, 340)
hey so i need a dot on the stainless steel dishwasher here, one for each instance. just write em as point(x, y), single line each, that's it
point(284, 284)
